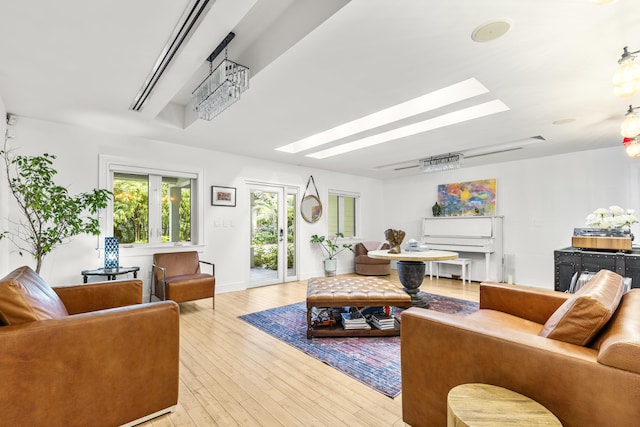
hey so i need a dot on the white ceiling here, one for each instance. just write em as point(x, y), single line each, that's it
point(317, 64)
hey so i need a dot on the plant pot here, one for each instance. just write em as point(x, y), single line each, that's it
point(330, 267)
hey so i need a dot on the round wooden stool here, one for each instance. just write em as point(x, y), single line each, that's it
point(473, 405)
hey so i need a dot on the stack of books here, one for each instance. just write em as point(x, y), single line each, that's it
point(354, 320)
point(383, 321)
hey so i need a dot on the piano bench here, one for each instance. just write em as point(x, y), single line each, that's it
point(465, 263)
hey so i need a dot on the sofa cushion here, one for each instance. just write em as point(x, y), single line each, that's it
point(619, 341)
point(582, 316)
point(25, 297)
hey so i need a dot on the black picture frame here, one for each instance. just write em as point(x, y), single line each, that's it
point(223, 196)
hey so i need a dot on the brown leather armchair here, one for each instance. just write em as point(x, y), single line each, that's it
point(177, 277)
point(505, 343)
point(371, 266)
point(87, 355)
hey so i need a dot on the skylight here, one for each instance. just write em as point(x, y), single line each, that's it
point(466, 114)
point(430, 101)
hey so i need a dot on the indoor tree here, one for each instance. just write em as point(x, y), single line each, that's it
point(50, 215)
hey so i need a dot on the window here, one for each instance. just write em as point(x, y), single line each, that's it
point(131, 208)
point(152, 206)
point(342, 214)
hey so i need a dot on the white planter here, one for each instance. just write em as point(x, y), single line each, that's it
point(330, 267)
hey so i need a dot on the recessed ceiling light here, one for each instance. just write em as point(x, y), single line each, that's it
point(439, 98)
point(563, 121)
point(466, 114)
point(490, 31)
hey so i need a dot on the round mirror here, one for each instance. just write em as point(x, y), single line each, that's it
point(311, 208)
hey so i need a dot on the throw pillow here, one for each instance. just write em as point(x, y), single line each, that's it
point(580, 318)
point(25, 297)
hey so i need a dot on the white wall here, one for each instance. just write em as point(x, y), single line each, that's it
point(542, 200)
point(77, 150)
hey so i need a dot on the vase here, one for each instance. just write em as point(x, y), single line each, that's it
point(330, 267)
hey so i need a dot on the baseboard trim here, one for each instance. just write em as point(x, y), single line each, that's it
point(150, 416)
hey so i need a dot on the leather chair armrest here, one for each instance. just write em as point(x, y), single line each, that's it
point(155, 280)
point(213, 266)
point(102, 368)
point(360, 250)
point(440, 351)
point(100, 295)
point(526, 302)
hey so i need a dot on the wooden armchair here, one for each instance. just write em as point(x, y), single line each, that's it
point(177, 277)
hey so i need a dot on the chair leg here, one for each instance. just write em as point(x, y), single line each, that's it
point(152, 290)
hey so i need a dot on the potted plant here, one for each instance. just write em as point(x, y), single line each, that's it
point(51, 216)
point(332, 249)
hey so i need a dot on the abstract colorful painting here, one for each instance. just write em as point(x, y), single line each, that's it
point(473, 198)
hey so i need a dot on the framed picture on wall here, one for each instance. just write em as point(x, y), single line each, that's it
point(223, 196)
point(472, 198)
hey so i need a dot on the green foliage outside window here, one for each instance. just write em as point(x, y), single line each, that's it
point(184, 212)
point(264, 237)
point(267, 256)
point(131, 210)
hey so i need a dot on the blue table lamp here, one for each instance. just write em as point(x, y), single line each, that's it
point(111, 252)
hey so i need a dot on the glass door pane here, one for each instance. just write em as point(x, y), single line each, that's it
point(292, 214)
point(273, 245)
point(265, 237)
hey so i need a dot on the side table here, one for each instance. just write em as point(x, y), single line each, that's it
point(110, 273)
point(490, 405)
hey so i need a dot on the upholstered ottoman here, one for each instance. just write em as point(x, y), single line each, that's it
point(352, 291)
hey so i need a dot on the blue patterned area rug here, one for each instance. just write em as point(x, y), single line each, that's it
point(374, 361)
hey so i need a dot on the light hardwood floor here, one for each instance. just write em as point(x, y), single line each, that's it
point(232, 374)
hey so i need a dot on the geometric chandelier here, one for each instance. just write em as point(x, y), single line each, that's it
point(222, 87)
point(441, 163)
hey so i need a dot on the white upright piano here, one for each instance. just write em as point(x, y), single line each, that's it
point(471, 236)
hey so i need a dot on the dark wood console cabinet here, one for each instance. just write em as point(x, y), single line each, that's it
point(572, 260)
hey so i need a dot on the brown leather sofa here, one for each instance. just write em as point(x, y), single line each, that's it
point(177, 277)
point(87, 355)
point(371, 266)
point(521, 339)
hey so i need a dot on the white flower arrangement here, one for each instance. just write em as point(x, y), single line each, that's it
point(614, 217)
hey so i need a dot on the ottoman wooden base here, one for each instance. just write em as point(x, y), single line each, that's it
point(352, 291)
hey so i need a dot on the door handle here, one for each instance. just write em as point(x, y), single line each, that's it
point(281, 234)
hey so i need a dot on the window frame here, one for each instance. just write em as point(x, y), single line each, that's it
point(340, 194)
point(108, 165)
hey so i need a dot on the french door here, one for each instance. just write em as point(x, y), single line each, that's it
point(273, 245)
